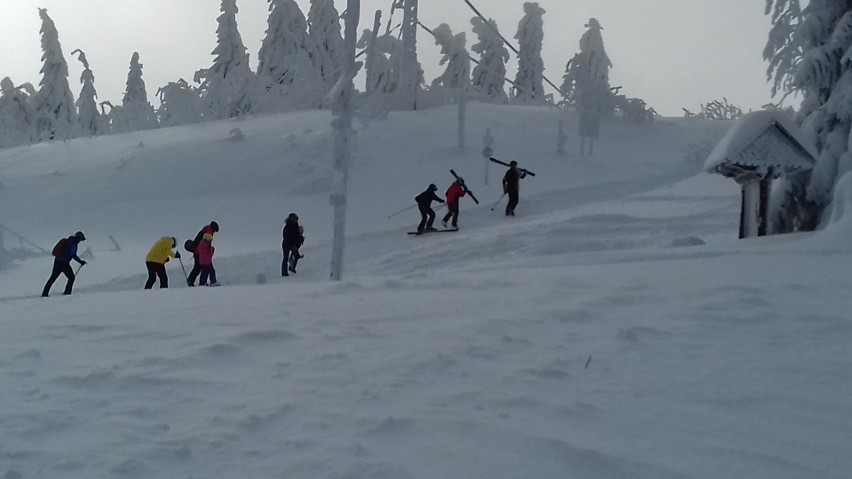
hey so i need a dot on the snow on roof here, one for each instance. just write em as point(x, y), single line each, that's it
point(751, 127)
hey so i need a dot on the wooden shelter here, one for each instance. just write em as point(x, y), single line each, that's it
point(760, 147)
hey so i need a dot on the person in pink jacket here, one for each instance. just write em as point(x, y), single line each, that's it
point(205, 252)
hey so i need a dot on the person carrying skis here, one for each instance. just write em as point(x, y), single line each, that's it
point(293, 236)
point(157, 259)
point(210, 229)
point(455, 192)
point(511, 186)
point(427, 214)
point(205, 261)
point(64, 251)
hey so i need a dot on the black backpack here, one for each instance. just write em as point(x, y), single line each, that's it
point(189, 245)
point(60, 248)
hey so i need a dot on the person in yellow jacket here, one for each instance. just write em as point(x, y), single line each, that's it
point(157, 259)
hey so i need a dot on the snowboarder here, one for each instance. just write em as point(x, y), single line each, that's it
point(157, 259)
point(293, 236)
point(427, 214)
point(210, 229)
point(64, 251)
point(205, 261)
point(511, 186)
point(455, 192)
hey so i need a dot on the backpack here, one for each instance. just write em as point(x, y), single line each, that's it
point(189, 245)
point(60, 248)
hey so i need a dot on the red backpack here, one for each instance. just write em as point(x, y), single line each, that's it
point(60, 248)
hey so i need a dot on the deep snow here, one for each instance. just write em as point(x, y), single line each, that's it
point(614, 329)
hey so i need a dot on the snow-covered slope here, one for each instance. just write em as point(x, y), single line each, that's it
point(613, 329)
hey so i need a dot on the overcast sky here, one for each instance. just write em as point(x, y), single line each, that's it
point(671, 53)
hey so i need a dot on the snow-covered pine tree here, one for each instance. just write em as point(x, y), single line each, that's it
point(489, 75)
point(88, 116)
point(180, 104)
point(136, 112)
point(325, 36)
point(286, 68)
point(586, 80)
point(16, 113)
point(410, 73)
point(529, 82)
point(822, 31)
point(456, 76)
point(54, 104)
point(229, 82)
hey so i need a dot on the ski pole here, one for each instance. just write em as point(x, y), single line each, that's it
point(78, 270)
point(498, 202)
point(400, 211)
point(184, 270)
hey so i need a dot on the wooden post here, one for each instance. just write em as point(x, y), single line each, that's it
point(750, 218)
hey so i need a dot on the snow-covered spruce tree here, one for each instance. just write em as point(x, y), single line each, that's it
point(88, 116)
point(822, 32)
point(286, 69)
point(136, 112)
point(16, 114)
point(456, 76)
point(384, 66)
point(586, 80)
point(180, 104)
point(489, 75)
point(529, 82)
point(229, 82)
point(325, 36)
point(54, 103)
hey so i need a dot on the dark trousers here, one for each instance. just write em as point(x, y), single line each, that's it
point(196, 270)
point(452, 212)
point(427, 216)
point(60, 267)
point(513, 202)
point(291, 259)
point(207, 271)
point(156, 270)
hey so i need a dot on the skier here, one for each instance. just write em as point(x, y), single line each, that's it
point(292, 239)
point(205, 261)
point(64, 251)
point(210, 229)
point(455, 192)
point(511, 186)
point(427, 214)
point(157, 259)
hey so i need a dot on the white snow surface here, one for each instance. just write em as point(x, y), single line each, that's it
point(615, 328)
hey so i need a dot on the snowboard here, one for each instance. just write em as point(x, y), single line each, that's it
point(430, 232)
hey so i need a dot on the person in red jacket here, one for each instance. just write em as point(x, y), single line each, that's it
point(210, 229)
point(455, 192)
point(205, 252)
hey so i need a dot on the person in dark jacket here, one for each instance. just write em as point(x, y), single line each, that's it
point(292, 239)
point(511, 186)
point(210, 229)
point(424, 204)
point(454, 193)
point(62, 263)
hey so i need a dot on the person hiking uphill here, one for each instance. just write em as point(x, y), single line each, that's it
point(511, 186)
point(157, 259)
point(64, 251)
point(292, 239)
point(205, 261)
point(424, 204)
point(210, 229)
point(455, 192)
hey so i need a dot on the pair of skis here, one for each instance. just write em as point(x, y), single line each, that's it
point(522, 170)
